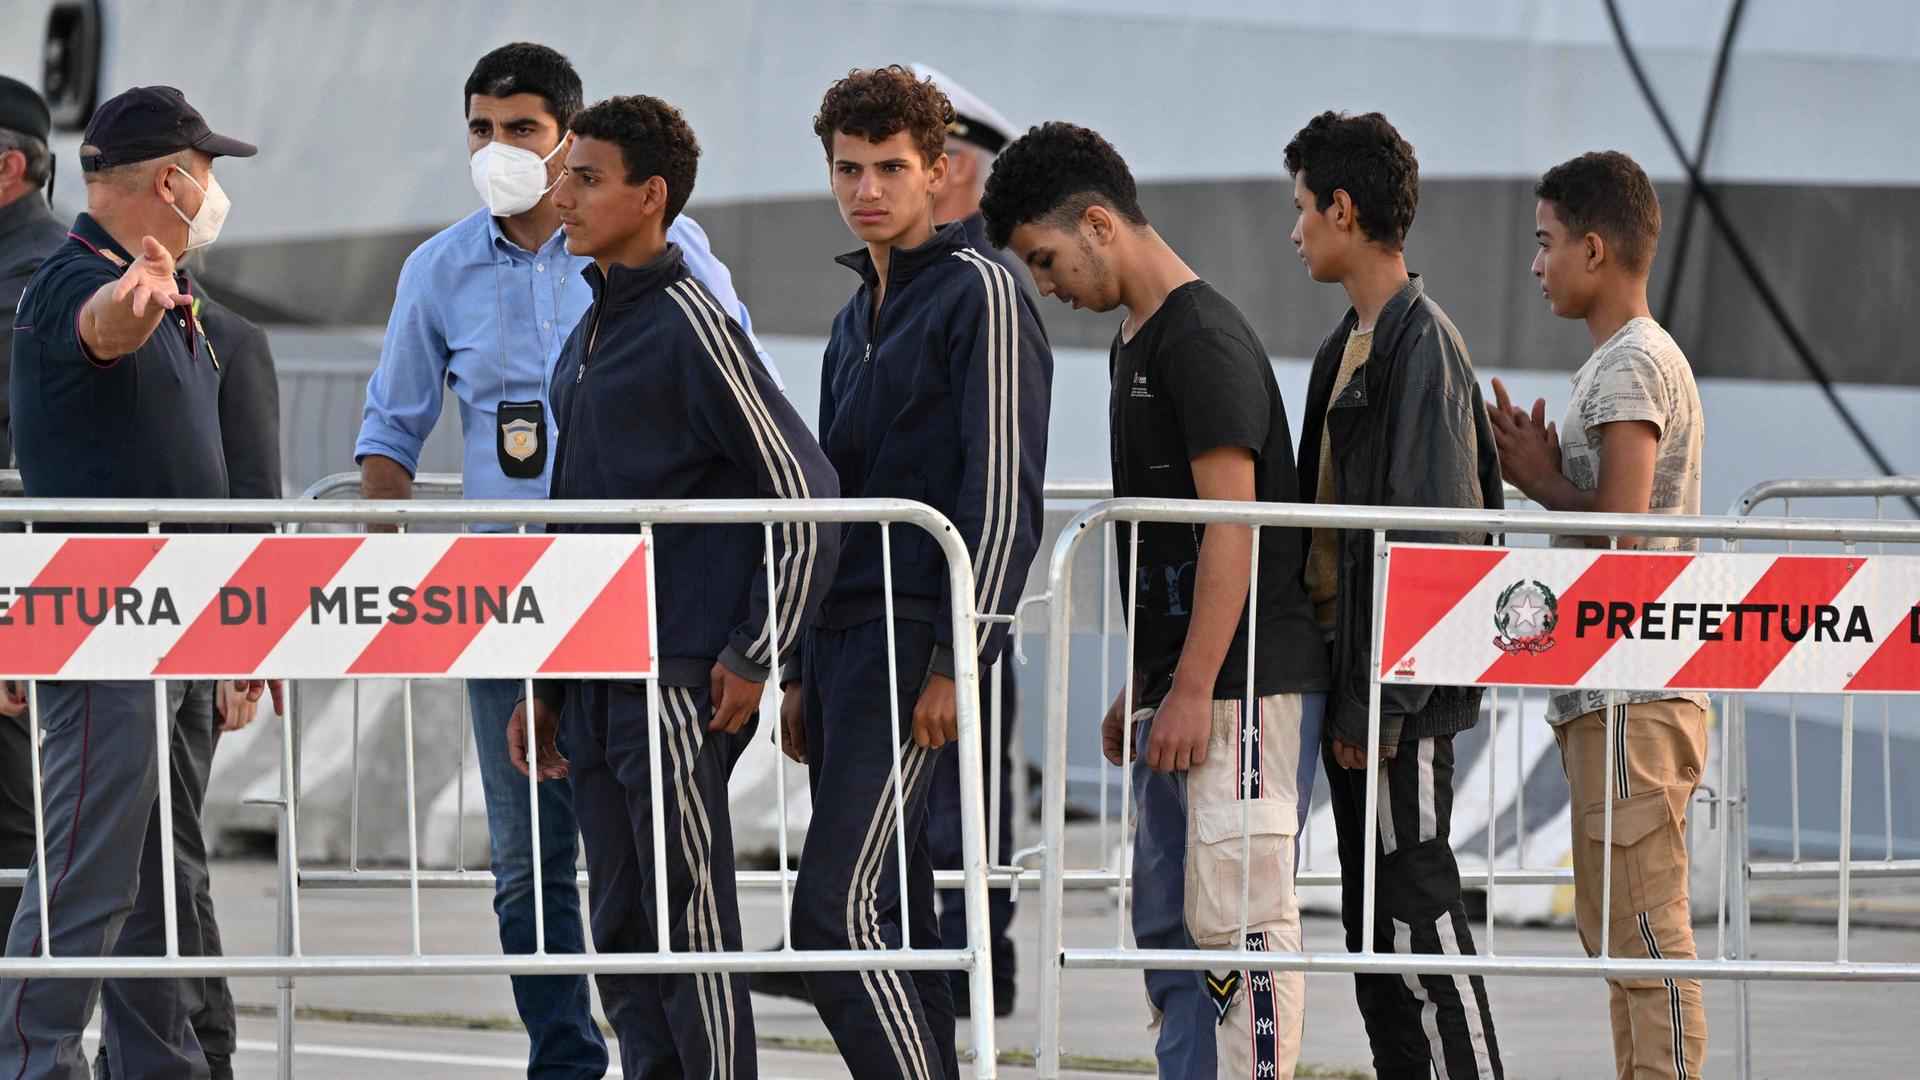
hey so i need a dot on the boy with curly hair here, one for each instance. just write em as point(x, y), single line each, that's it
point(660, 396)
point(936, 386)
point(1222, 755)
point(1394, 418)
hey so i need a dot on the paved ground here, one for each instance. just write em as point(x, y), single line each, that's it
point(1547, 1028)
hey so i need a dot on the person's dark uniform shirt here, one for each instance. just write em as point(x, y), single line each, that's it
point(141, 426)
point(28, 234)
point(249, 402)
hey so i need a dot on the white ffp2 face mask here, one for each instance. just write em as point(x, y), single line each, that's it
point(511, 180)
point(203, 228)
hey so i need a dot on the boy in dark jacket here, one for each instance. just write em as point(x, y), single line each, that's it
point(936, 387)
point(660, 396)
point(1222, 747)
point(1394, 418)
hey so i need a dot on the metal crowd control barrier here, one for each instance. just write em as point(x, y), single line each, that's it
point(294, 961)
point(1845, 867)
point(1057, 957)
point(1006, 868)
point(1110, 872)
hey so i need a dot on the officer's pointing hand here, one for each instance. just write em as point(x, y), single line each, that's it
point(150, 280)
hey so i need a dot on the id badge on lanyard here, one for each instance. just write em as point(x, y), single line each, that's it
point(520, 427)
point(521, 438)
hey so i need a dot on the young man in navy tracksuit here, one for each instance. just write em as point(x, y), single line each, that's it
point(936, 386)
point(659, 395)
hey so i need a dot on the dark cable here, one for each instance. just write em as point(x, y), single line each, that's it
point(1678, 262)
point(1738, 248)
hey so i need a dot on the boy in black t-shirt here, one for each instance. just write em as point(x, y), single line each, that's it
point(1228, 765)
point(1394, 418)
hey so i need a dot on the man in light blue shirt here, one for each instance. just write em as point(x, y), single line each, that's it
point(484, 308)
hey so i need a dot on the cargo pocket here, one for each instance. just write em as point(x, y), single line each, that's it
point(1260, 831)
point(1649, 865)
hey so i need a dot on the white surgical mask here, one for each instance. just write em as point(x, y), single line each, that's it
point(511, 180)
point(203, 227)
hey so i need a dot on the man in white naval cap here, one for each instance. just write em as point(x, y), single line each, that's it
point(974, 139)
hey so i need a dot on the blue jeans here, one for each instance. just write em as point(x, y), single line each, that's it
point(556, 1009)
point(1186, 1045)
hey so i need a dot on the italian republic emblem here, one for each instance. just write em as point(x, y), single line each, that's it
point(1525, 614)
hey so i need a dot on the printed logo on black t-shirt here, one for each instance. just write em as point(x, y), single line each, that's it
point(1140, 385)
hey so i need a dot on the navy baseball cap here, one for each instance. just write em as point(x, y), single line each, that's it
point(147, 122)
point(23, 110)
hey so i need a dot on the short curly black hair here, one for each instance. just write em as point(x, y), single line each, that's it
point(526, 68)
point(1365, 157)
point(1606, 192)
point(1053, 173)
point(654, 140)
point(879, 103)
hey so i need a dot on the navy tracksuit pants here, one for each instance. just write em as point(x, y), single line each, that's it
point(667, 1025)
point(848, 895)
point(943, 834)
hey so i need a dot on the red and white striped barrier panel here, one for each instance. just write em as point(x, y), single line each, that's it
point(1617, 620)
point(129, 607)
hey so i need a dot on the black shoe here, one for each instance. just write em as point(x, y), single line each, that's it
point(786, 984)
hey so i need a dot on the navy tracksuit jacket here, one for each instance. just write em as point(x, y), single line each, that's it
point(659, 395)
point(940, 396)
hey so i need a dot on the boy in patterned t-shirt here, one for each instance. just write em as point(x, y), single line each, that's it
point(1629, 443)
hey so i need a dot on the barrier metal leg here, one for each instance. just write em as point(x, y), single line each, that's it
point(1846, 823)
point(353, 794)
point(39, 816)
point(413, 824)
point(973, 839)
point(287, 939)
point(1370, 875)
point(1107, 571)
point(1739, 869)
point(533, 811)
point(163, 764)
point(1493, 804)
point(1127, 749)
point(657, 735)
point(1053, 810)
point(773, 697)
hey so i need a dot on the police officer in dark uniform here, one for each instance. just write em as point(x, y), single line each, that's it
point(250, 445)
point(28, 232)
point(976, 136)
point(115, 392)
